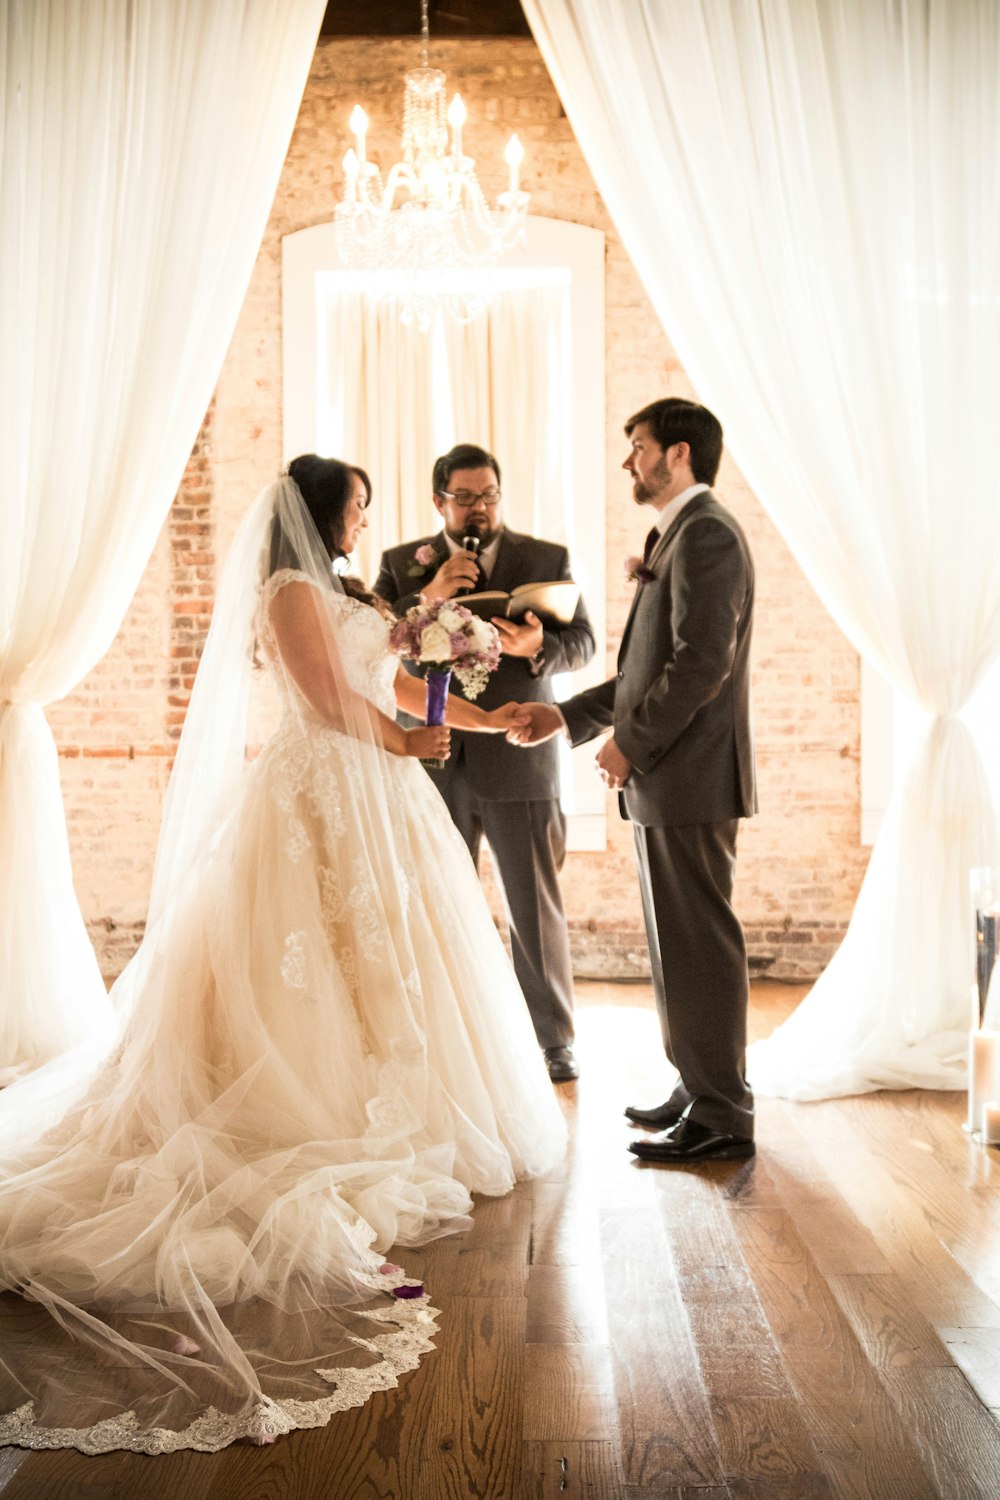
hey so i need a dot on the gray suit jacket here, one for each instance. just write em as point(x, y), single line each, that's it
point(680, 702)
point(499, 772)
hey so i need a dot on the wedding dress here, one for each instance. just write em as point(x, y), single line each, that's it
point(323, 1052)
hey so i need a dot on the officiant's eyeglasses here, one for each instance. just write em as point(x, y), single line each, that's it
point(466, 498)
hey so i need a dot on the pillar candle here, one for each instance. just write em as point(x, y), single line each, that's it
point(984, 1074)
point(991, 1123)
point(991, 1012)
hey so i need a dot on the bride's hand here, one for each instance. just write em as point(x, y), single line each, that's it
point(510, 716)
point(429, 742)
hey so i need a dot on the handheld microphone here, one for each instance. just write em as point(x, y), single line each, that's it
point(471, 542)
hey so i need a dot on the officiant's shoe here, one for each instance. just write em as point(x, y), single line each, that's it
point(561, 1063)
point(660, 1117)
point(691, 1142)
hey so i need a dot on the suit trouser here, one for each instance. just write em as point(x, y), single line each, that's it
point(528, 841)
point(698, 957)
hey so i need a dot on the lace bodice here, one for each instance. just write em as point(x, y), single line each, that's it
point(362, 636)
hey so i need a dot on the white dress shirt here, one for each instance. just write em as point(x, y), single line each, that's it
point(673, 507)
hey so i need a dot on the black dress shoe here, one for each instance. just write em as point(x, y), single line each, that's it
point(561, 1063)
point(660, 1117)
point(691, 1142)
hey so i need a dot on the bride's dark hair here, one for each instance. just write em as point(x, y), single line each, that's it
point(325, 485)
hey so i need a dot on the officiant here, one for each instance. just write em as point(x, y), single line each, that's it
point(492, 788)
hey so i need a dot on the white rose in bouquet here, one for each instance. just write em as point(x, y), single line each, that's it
point(482, 632)
point(451, 620)
point(435, 643)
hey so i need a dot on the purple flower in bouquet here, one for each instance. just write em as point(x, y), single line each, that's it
point(446, 636)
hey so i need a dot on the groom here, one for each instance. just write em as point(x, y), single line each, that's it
point(681, 758)
point(490, 788)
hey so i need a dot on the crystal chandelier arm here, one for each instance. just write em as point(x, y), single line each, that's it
point(400, 173)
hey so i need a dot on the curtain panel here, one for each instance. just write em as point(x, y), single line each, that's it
point(140, 146)
point(808, 190)
point(394, 397)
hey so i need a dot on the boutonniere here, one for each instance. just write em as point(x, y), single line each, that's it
point(636, 571)
point(422, 560)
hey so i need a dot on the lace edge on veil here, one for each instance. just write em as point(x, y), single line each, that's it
point(401, 1351)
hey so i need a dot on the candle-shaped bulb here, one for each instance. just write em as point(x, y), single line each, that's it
point(359, 125)
point(456, 119)
point(513, 156)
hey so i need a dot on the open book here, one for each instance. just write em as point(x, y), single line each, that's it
point(549, 601)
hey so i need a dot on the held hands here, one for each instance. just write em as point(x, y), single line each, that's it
point(539, 721)
point(460, 572)
point(428, 742)
point(524, 639)
point(509, 719)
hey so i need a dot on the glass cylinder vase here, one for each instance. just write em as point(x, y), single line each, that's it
point(985, 884)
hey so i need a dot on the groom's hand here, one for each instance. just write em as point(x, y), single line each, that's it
point(612, 767)
point(541, 722)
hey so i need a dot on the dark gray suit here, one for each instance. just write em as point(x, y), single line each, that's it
point(500, 791)
point(680, 709)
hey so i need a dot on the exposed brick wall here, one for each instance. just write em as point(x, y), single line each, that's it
point(801, 861)
point(191, 534)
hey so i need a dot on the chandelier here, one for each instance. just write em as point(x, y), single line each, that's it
point(429, 215)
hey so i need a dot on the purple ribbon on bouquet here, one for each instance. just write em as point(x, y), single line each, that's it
point(438, 679)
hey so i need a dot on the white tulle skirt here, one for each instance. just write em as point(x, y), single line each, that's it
point(324, 1053)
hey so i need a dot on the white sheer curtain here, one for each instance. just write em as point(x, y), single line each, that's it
point(394, 397)
point(141, 145)
point(808, 189)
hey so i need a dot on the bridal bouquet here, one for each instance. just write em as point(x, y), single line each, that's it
point(445, 637)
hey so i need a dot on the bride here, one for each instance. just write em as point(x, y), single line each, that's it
point(321, 1049)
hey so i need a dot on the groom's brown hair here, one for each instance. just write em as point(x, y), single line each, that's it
point(674, 420)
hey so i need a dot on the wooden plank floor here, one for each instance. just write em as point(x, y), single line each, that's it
point(821, 1322)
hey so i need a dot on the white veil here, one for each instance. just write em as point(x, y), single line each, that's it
point(204, 781)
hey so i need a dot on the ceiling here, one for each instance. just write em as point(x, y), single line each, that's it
point(459, 18)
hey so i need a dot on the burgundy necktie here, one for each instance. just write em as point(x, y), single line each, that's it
point(651, 541)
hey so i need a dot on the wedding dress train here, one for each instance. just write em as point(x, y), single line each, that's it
point(325, 1054)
